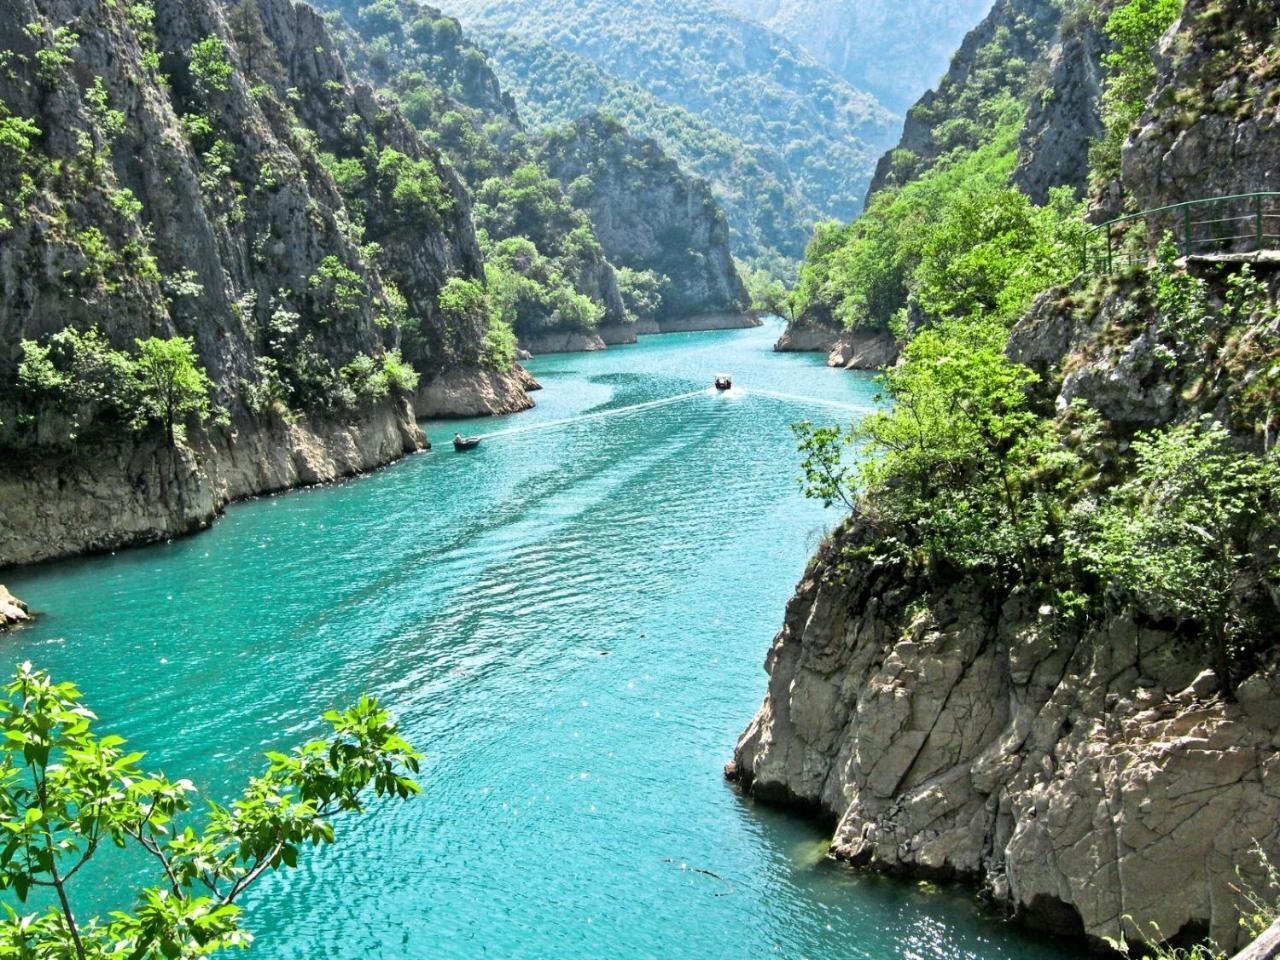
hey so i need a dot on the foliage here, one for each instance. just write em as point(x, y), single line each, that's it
point(767, 292)
point(467, 305)
point(67, 795)
point(172, 385)
point(210, 67)
point(82, 376)
point(960, 466)
point(1133, 28)
point(342, 288)
point(1179, 533)
point(414, 187)
point(373, 378)
point(642, 292)
point(860, 274)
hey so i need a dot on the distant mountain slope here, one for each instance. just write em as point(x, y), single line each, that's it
point(768, 215)
point(742, 78)
point(893, 49)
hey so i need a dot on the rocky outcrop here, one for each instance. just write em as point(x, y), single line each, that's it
point(569, 341)
point(803, 337)
point(693, 323)
point(1064, 117)
point(649, 215)
point(1224, 138)
point(864, 350)
point(117, 495)
point(176, 177)
point(475, 393)
point(13, 612)
point(996, 59)
point(1079, 778)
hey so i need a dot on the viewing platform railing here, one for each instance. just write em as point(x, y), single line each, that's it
point(1243, 223)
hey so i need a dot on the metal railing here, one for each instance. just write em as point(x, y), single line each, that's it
point(1243, 223)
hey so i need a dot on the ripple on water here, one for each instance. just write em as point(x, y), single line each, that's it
point(573, 804)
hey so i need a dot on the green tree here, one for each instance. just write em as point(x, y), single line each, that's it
point(210, 67)
point(68, 795)
point(1179, 534)
point(172, 383)
point(961, 465)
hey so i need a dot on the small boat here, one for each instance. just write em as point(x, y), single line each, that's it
point(723, 382)
point(465, 443)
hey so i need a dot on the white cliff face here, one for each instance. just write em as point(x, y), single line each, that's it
point(1078, 777)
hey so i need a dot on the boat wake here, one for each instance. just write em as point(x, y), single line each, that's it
point(601, 415)
point(736, 392)
point(816, 401)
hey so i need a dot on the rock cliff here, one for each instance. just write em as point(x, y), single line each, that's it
point(650, 216)
point(209, 170)
point(1087, 774)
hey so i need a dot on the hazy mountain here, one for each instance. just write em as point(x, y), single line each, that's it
point(894, 50)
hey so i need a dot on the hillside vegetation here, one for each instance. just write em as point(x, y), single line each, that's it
point(768, 215)
point(743, 79)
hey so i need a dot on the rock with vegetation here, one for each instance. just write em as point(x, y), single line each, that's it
point(742, 79)
point(989, 164)
point(659, 224)
point(549, 278)
point(1041, 655)
point(221, 270)
point(769, 215)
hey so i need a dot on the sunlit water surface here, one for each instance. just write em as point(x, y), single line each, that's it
point(571, 621)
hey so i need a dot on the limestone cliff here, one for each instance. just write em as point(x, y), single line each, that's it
point(650, 216)
point(1082, 771)
point(208, 169)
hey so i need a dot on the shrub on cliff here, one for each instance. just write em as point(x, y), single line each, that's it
point(1180, 535)
point(961, 469)
point(68, 795)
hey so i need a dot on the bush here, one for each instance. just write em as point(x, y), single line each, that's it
point(210, 67)
point(1179, 534)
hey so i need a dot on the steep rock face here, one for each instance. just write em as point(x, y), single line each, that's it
point(864, 350)
point(120, 495)
point(1223, 138)
point(650, 216)
point(995, 59)
point(1079, 778)
point(152, 197)
point(1063, 118)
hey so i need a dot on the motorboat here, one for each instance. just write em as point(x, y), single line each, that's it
point(724, 381)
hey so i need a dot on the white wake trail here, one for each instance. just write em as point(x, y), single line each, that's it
point(603, 414)
point(817, 401)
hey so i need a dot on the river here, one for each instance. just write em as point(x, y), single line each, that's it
point(570, 622)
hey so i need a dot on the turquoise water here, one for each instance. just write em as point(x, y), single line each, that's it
point(570, 621)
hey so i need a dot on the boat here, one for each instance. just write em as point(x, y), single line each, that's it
point(465, 443)
point(723, 381)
